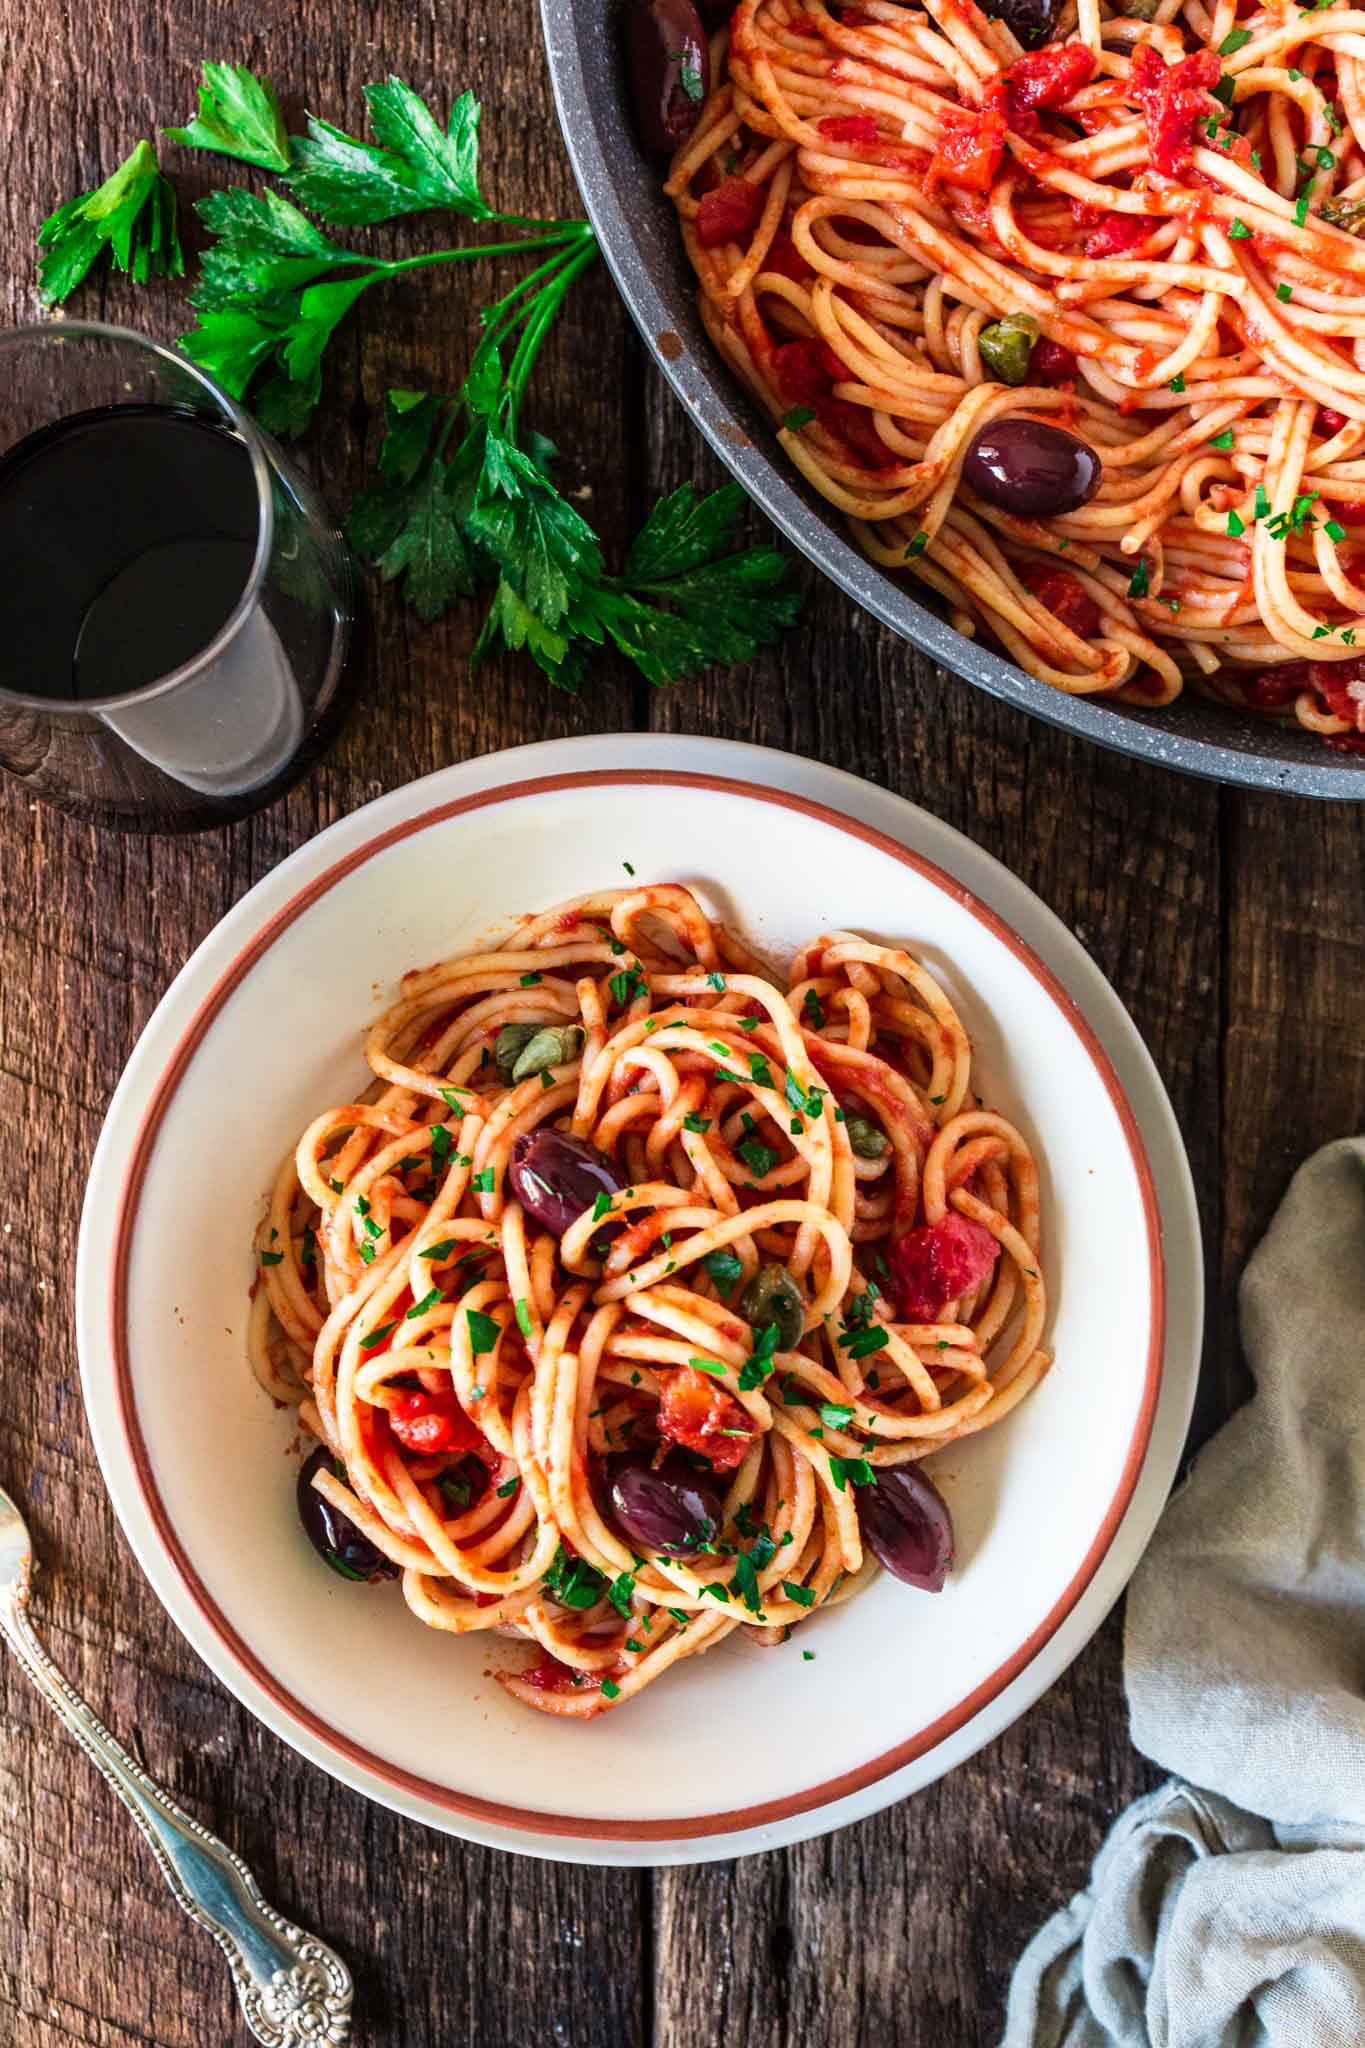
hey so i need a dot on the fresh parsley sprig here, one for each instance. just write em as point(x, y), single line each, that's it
point(465, 500)
point(132, 215)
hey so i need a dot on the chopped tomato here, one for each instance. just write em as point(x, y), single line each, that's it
point(1117, 233)
point(1050, 363)
point(1173, 97)
point(853, 425)
point(939, 1263)
point(801, 371)
point(1276, 688)
point(969, 149)
point(859, 131)
point(1064, 595)
point(853, 17)
point(697, 1414)
point(428, 1423)
point(729, 213)
point(804, 25)
point(786, 259)
point(549, 1675)
point(1339, 684)
point(1049, 78)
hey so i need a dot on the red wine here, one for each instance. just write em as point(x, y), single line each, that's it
point(127, 537)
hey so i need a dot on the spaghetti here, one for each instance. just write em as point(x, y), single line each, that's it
point(909, 231)
point(626, 1301)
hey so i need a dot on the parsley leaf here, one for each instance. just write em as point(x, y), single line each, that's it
point(132, 215)
point(415, 163)
point(239, 115)
point(725, 1268)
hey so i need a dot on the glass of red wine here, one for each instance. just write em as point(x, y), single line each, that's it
point(176, 600)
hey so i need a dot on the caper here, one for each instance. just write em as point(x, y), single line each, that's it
point(552, 1046)
point(510, 1040)
point(772, 1296)
point(1137, 10)
point(865, 1138)
point(1006, 346)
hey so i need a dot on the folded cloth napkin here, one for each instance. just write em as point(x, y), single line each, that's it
point(1227, 1910)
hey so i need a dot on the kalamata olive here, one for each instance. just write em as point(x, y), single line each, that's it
point(772, 1296)
point(333, 1535)
point(672, 1508)
point(556, 1177)
point(1033, 21)
point(714, 12)
point(668, 61)
point(1031, 468)
point(906, 1525)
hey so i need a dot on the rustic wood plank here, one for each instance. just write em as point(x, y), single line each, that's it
point(900, 1933)
point(92, 1949)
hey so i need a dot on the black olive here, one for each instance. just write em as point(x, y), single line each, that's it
point(1034, 22)
point(556, 1177)
point(1031, 468)
point(333, 1535)
point(668, 64)
point(906, 1525)
point(670, 1508)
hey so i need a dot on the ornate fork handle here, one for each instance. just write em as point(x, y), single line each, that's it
point(295, 1992)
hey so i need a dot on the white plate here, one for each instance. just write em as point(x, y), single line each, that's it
point(263, 1027)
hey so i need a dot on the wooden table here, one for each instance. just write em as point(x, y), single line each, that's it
point(1232, 926)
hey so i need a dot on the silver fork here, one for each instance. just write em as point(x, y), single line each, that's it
point(295, 1991)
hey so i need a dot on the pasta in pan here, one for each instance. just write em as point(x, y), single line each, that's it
point(627, 1300)
point(1073, 334)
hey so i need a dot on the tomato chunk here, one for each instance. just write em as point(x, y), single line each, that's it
point(859, 131)
point(853, 425)
point(802, 371)
point(786, 259)
point(1065, 596)
point(428, 1423)
point(1048, 78)
point(729, 213)
point(1341, 686)
point(939, 1263)
point(697, 1414)
point(1051, 363)
point(969, 149)
point(549, 1675)
point(1117, 233)
point(1174, 98)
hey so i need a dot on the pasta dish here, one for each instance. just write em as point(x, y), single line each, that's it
point(1062, 307)
point(627, 1299)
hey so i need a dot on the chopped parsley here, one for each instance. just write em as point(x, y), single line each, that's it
point(378, 1336)
point(856, 1469)
point(812, 1007)
point(1235, 526)
point(809, 1103)
point(1238, 231)
point(454, 1098)
point(483, 1331)
point(1335, 530)
point(1233, 42)
point(308, 1250)
point(1178, 383)
point(1284, 293)
point(725, 1268)
point(759, 1364)
point(708, 1365)
point(530, 980)
point(760, 1159)
point(1223, 440)
point(619, 1593)
point(482, 1182)
point(862, 1343)
point(917, 545)
point(429, 1301)
point(508, 1488)
point(1139, 583)
point(715, 981)
point(799, 416)
point(271, 1258)
point(696, 1124)
point(760, 1073)
point(835, 1414)
point(601, 1207)
point(523, 1315)
point(574, 1583)
point(802, 1595)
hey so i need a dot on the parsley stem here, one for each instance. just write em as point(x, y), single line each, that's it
point(471, 251)
point(538, 324)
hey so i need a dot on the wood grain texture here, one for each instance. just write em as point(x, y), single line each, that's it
point(1232, 927)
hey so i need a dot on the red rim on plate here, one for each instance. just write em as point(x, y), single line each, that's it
point(527, 1819)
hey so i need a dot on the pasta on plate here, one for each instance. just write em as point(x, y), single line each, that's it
point(627, 1299)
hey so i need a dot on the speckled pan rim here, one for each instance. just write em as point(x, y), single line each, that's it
point(584, 73)
point(249, 1664)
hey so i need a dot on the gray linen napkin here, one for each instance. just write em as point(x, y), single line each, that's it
point(1227, 1910)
